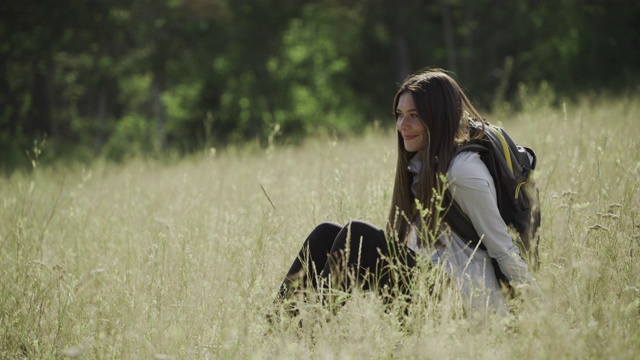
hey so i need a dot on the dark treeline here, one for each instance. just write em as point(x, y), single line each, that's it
point(115, 78)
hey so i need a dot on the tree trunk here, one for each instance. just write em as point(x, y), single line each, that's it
point(402, 56)
point(468, 42)
point(157, 86)
point(39, 114)
point(449, 39)
point(100, 119)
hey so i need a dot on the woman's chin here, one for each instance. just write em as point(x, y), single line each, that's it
point(411, 148)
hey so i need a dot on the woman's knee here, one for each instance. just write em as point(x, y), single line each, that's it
point(359, 229)
point(328, 226)
point(322, 236)
point(326, 230)
point(362, 224)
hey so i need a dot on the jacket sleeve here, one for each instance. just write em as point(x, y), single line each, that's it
point(473, 189)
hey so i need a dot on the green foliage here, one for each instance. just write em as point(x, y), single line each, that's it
point(132, 136)
point(316, 65)
point(214, 73)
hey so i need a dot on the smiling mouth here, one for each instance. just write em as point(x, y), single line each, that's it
point(409, 137)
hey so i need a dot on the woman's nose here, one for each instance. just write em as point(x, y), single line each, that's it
point(402, 122)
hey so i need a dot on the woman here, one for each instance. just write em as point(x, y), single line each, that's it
point(432, 120)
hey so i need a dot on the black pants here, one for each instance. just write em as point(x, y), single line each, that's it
point(336, 256)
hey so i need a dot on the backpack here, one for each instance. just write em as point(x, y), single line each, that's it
point(511, 167)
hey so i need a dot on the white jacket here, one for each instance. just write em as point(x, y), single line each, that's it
point(472, 187)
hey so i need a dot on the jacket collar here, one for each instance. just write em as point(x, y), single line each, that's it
point(415, 167)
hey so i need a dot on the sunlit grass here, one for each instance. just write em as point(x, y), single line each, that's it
point(183, 261)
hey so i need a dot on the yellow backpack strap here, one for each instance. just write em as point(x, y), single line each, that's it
point(505, 146)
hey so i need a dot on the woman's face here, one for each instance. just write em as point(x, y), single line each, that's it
point(409, 124)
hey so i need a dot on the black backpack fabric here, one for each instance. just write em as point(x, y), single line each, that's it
point(511, 167)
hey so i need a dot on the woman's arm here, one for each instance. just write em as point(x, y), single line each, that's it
point(473, 189)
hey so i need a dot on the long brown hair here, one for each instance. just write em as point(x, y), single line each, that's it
point(445, 112)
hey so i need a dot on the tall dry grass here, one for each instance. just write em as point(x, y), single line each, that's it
point(182, 261)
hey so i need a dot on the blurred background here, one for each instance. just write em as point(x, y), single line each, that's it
point(121, 78)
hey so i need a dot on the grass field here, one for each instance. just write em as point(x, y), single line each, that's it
point(152, 260)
